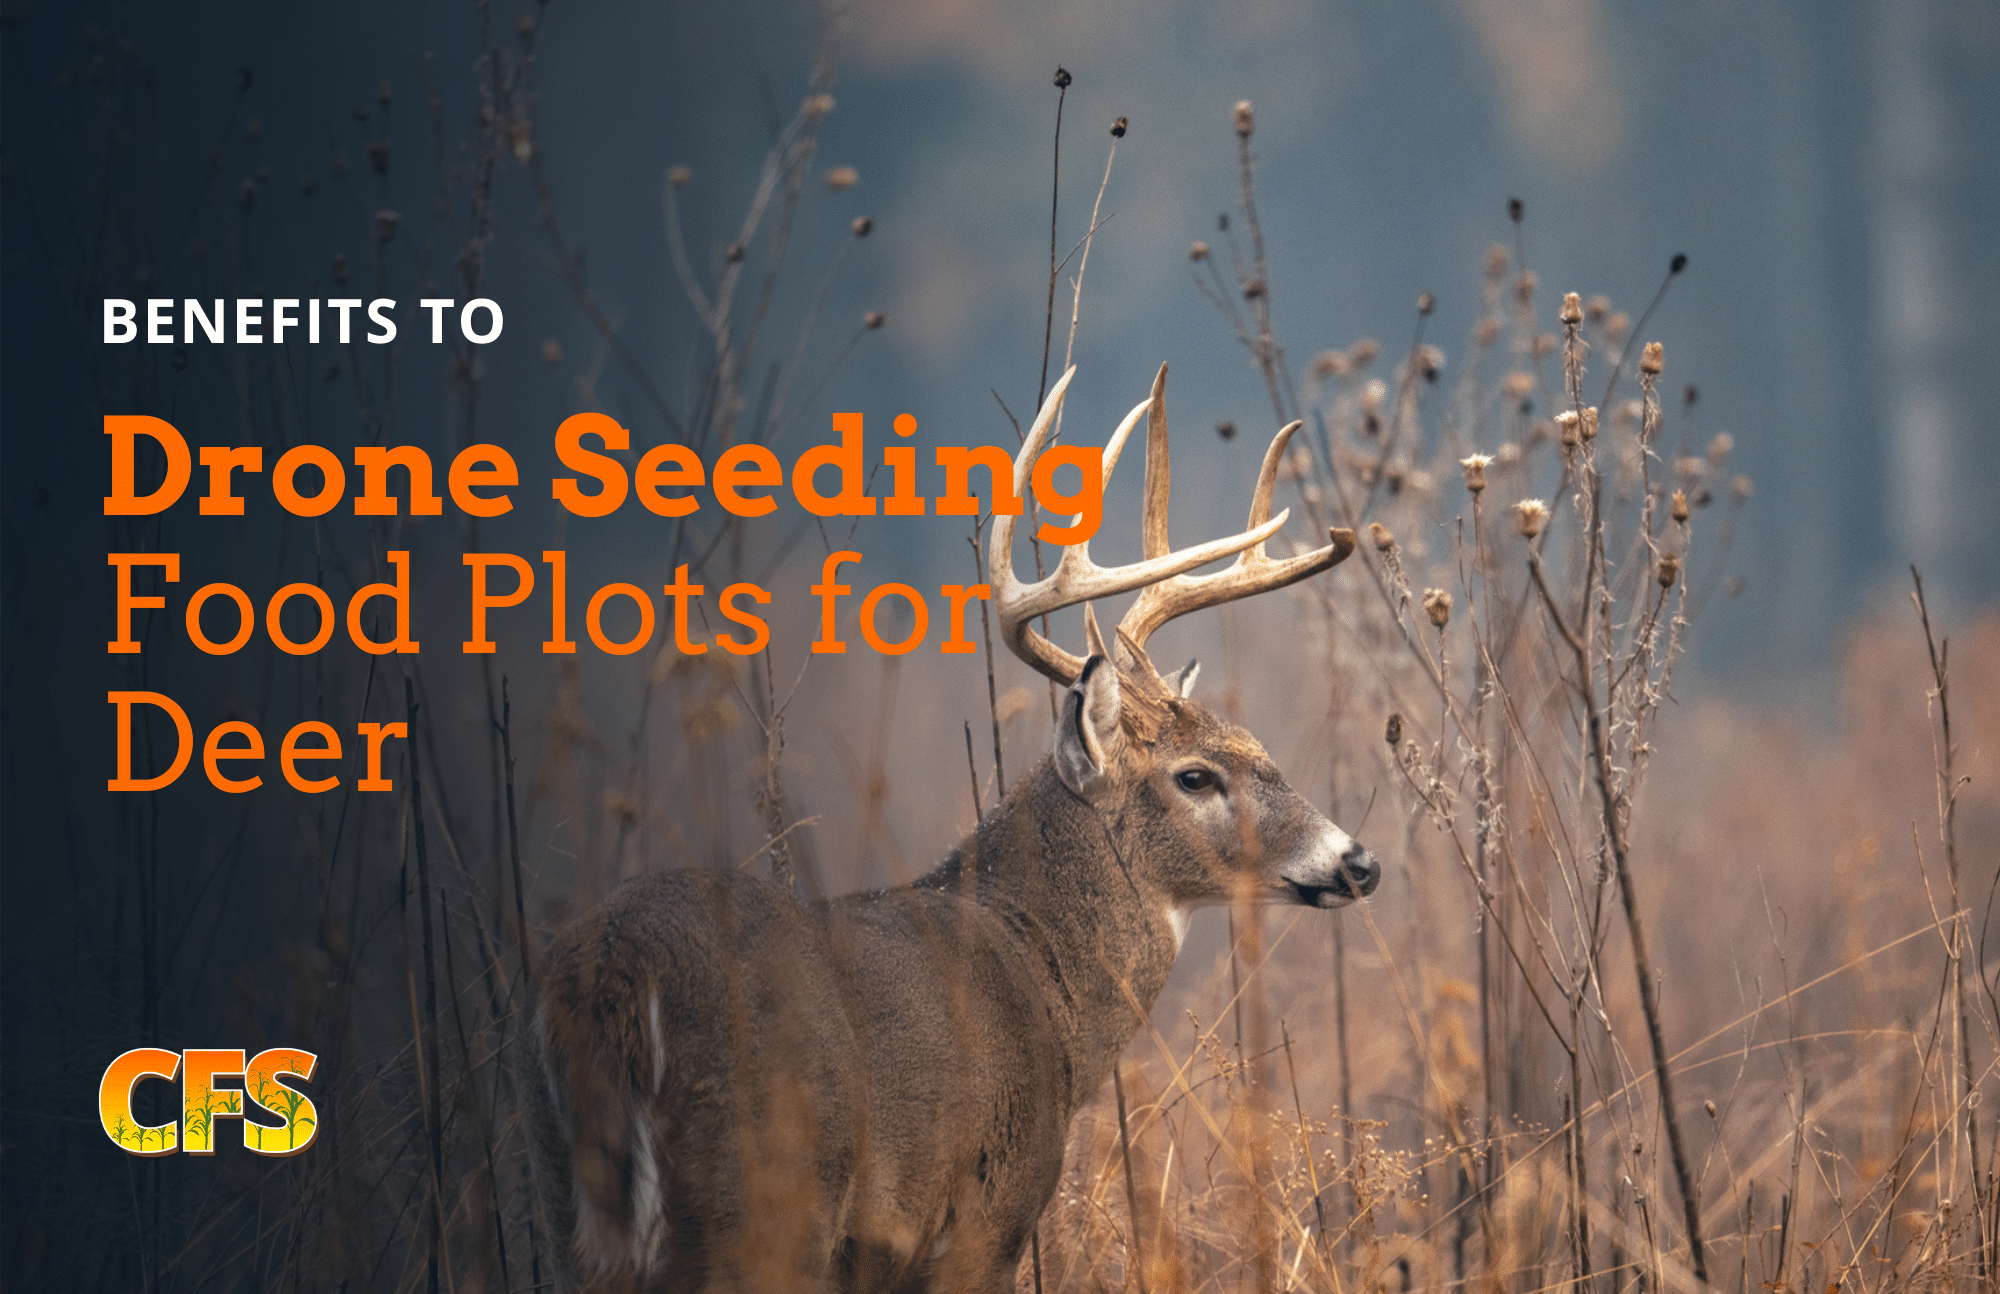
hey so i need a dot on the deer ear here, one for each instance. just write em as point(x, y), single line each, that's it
point(1088, 733)
point(1181, 681)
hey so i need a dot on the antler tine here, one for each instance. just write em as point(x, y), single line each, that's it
point(1077, 578)
point(1252, 572)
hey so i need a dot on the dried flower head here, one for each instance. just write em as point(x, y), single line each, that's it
point(1545, 345)
point(246, 197)
point(1524, 287)
point(863, 226)
point(385, 94)
point(1426, 302)
point(1718, 448)
point(1529, 517)
point(1567, 423)
point(1437, 605)
point(1475, 471)
point(1226, 429)
point(1571, 313)
point(1198, 252)
point(1392, 732)
point(1378, 532)
point(1652, 359)
point(1670, 567)
point(1588, 428)
point(1517, 386)
point(1246, 120)
point(1486, 332)
point(1362, 353)
point(552, 352)
point(735, 253)
point(1597, 308)
point(1678, 506)
point(1119, 127)
point(1430, 361)
point(1063, 79)
point(1373, 392)
point(1496, 262)
point(1617, 325)
point(842, 178)
point(378, 155)
point(1253, 289)
point(385, 224)
point(1508, 454)
point(816, 106)
point(873, 319)
point(1515, 210)
point(1328, 363)
point(678, 176)
point(1740, 487)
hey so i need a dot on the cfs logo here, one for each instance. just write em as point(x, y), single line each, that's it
point(203, 1103)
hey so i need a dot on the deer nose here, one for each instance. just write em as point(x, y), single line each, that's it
point(1359, 871)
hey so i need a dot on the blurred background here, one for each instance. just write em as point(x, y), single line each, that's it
point(1828, 170)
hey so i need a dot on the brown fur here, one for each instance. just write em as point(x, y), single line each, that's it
point(741, 1091)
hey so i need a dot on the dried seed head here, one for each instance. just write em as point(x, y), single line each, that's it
point(842, 178)
point(1709, 1106)
point(1617, 325)
point(552, 352)
point(1475, 471)
point(378, 155)
point(1517, 386)
point(1567, 423)
point(1515, 210)
point(1740, 487)
point(678, 176)
point(1437, 605)
point(1508, 454)
point(1373, 392)
point(1485, 332)
point(1571, 313)
point(1328, 363)
point(1678, 263)
point(863, 226)
point(1496, 262)
point(1718, 449)
point(873, 319)
point(735, 253)
point(1529, 517)
point(1689, 469)
point(1393, 731)
point(1689, 394)
point(1253, 289)
point(1063, 78)
point(385, 224)
point(1430, 360)
point(1652, 359)
point(1246, 121)
point(253, 130)
point(1629, 412)
point(1362, 353)
point(525, 25)
point(1670, 566)
point(1524, 287)
point(1545, 345)
point(1198, 252)
point(1426, 302)
point(1378, 532)
point(1119, 127)
point(1597, 308)
point(385, 94)
point(1226, 429)
point(1589, 426)
point(246, 197)
point(1678, 506)
point(816, 106)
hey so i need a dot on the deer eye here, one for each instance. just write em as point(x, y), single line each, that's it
point(1196, 780)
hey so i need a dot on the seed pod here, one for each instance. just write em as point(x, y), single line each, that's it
point(1119, 127)
point(1475, 471)
point(1063, 78)
point(1378, 532)
point(1198, 252)
point(1679, 508)
point(1571, 313)
point(1670, 566)
point(1246, 120)
point(1652, 359)
point(1529, 516)
point(1589, 426)
point(1437, 605)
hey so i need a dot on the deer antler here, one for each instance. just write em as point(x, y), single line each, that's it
point(1168, 590)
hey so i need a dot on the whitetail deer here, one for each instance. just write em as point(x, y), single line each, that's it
point(739, 1090)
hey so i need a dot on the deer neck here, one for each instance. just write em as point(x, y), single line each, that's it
point(1059, 871)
